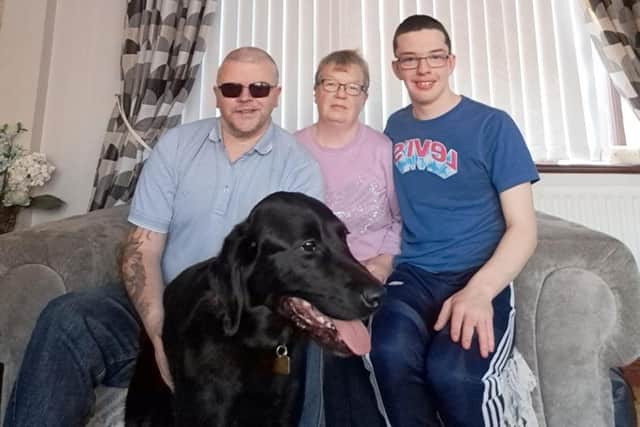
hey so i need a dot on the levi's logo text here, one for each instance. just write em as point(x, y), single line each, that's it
point(427, 155)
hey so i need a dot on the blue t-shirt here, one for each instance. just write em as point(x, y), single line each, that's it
point(189, 189)
point(448, 173)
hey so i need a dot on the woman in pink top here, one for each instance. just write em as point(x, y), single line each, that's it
point(355, 160)
point(356, 163)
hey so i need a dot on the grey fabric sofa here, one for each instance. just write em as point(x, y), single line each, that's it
point(577, 300)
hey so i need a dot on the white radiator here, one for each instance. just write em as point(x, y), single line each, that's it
point(606, 203)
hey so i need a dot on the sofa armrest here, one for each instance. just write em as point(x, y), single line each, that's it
point(577, 317)
point(45, 261)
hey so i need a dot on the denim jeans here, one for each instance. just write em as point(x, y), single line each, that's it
point(84, 339)
point(313, 411)
point(623, 409)
point(81, 340)
point(349, 396)
point(422, 374)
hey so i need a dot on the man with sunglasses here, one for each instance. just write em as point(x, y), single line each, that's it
point(200, 180)
point(463, 176)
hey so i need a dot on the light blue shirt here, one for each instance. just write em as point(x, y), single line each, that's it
point(190, 190)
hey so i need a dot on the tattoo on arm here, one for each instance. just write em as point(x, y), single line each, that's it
point(133, 270)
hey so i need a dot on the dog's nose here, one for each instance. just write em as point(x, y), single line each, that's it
point(372, 296)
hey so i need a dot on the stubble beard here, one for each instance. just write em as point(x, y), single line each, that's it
point(254, 131)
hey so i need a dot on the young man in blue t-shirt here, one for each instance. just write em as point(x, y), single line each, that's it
point(463, 179)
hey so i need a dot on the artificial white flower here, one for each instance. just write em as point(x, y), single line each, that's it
point(21, 170)
point(16, 197)
point(31, 170)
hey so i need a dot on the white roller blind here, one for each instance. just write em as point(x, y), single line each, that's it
point(531, 58)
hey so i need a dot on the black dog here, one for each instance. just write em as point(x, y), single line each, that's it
point(236, 325)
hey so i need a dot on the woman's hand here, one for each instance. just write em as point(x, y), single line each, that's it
point(379, 266)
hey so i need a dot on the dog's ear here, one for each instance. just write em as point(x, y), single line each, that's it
point(237, 258)
point(235, 302)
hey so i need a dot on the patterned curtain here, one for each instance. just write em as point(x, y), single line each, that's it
point(614, 26)
point(164, 42)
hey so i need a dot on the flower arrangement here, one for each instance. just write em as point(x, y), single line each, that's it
point(21, 170)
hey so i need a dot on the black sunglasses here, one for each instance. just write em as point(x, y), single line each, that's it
point(257, 89)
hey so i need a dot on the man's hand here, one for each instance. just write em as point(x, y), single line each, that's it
point(162, 362)
point(154, 324)
point(380, 266)
point(467, 311)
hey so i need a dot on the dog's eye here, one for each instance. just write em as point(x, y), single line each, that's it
point(309, 246)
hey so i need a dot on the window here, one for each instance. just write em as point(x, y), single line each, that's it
point(530, 58)
point(631, 124)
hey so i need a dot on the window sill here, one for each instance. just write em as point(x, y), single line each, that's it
point(588, 168)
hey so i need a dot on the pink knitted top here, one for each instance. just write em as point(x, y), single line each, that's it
point(358, 187)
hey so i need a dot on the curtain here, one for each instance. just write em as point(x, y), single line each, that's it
point(614, 26)
point(531, 58)
point(164, 41)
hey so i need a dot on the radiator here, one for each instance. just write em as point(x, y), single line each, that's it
point(612, 209)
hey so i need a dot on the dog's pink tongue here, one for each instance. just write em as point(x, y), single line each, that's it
point(354, 335)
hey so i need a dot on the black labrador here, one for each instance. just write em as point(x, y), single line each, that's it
point(236, 325)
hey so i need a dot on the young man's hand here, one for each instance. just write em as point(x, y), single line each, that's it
point(469, 311)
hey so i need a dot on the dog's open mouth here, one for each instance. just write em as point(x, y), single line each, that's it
point(345, 337)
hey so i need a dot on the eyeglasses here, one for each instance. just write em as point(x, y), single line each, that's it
point(410, 62)
point(353, 89)
point(256, 89)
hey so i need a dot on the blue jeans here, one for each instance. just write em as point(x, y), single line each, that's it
point(623, 409)
point(81, 340)
point(422, 374)
point(349, 397)
point(85, 339)
point(313, 412)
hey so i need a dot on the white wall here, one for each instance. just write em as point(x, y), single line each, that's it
point(21, 42)
point(605, 202)
point(59, 72)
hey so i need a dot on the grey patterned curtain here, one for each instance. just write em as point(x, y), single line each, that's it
point(614, 26)
point(164, 42)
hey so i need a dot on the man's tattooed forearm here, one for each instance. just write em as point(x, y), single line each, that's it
point(133, 271)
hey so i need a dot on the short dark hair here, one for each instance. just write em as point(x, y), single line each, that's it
point(252, 54)
point(343, 58)
point(417, 23)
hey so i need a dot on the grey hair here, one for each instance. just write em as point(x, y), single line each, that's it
point(343, 58)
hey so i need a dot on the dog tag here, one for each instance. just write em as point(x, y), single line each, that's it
point(281, 362)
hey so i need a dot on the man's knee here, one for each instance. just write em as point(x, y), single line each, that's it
point(77, 311)
point(61, 313)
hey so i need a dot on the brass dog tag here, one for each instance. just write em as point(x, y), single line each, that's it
point(281, 362)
